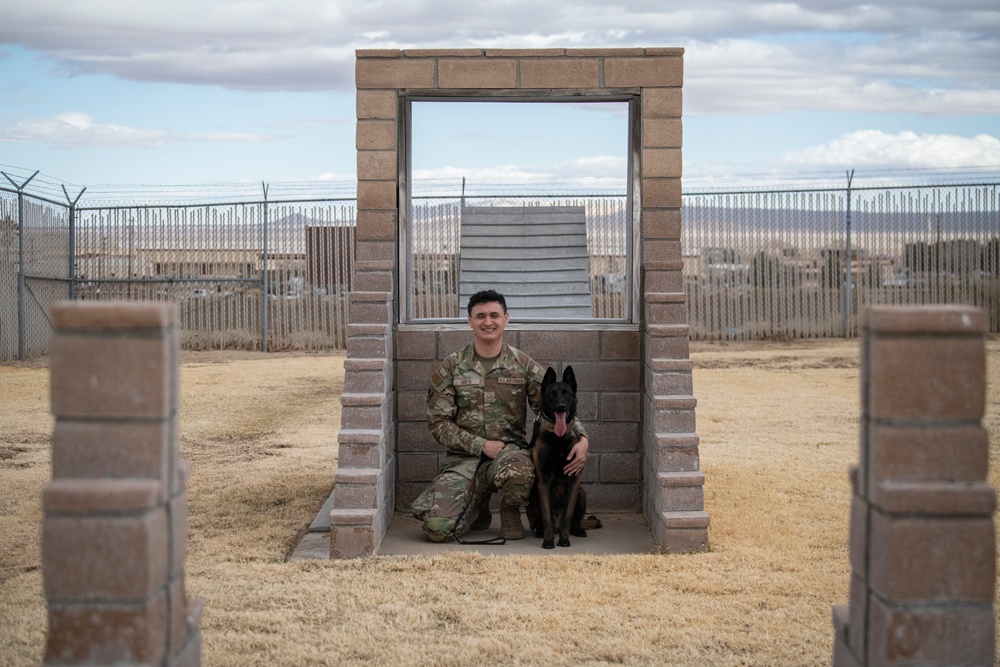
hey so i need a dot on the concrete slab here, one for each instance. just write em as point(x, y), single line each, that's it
point(621, 534)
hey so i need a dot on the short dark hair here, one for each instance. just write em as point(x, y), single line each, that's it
point(487, 296)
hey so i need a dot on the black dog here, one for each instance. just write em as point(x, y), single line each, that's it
point(557, 499)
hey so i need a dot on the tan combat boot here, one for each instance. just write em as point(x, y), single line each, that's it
point(511, 527)
point(483, 515)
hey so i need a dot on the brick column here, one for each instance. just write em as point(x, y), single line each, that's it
point(922, 550)
point(114, 536)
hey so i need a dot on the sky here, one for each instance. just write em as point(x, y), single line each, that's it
point(122, 96)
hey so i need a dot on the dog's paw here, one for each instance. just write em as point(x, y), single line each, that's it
point(579, 532)
point(548, 544)
point(563, 542)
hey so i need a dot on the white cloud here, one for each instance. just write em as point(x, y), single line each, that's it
point(872, 148)
point(76, 129)
point(758, 57)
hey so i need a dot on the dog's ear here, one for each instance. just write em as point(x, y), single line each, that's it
point(550, 377)
point(569, 377)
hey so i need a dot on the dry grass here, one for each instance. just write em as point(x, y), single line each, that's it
point(778, 424)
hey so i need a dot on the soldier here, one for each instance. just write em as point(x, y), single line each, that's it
point(476, 408)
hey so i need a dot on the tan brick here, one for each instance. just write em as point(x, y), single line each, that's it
point(660, 280)
point(117, 377)
point(101, 496)
point(620, 345)
point(858, 545)
point(376, 135)
point(620, 406)
point(443, 53)
point(665, 102)
point(957, 453)
point(414, 374)
point(938, 319)
point(377, 53)
point(960, 553)
point(525, 53)
point(619, 467)
point(394, 73)
point(927, 378)
point(661, 249)
point(411, 406)
point(87, 449)
point(935, 498)
point(377, 104)
point(661, 192)
point(416, 345)
point(604, 53)
point(121, 633)
point(86, 558)
point(377, 165)
point(608, 375)
point(93, 316)
point(909, 635)
point(375, 251)
point(417, 466)
point(375, 224)
point(661, 163)
point(661, 223)
point(561, 345)
point(613, 437)
point(487, 73)
point(415, 437)
point(661, 133)
point(550, 73)
point(377, 195)
point(643, 72)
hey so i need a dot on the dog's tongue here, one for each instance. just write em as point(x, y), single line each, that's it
point(560, 428)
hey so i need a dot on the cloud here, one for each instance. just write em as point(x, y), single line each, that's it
point(926, 56)
point(872, 148)
point(75, 130)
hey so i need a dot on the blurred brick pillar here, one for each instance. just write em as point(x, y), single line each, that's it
point(922, 545)
point(114, 537)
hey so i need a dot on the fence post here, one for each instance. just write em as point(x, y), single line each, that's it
point(72, 241)
point(267, 280)
point(22, 315)
point(847, 265)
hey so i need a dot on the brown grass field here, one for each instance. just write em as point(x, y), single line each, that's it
point(778, 425)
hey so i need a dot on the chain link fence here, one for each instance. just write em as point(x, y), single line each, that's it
point(275, 275)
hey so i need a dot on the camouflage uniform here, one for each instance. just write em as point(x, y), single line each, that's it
point(466, 406)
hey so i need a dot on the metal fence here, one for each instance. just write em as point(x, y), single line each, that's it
point(801, 264)
point(254, 275)
point(273, 275)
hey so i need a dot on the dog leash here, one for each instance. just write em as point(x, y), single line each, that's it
point(500, 539)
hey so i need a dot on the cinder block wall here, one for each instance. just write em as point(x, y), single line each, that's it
point(922, 545)
point(608, 369)
point(114, 536)
point(637, 396)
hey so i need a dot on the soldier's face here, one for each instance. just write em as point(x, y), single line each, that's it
point(488, 321)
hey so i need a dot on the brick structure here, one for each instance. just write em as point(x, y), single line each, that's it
point(922, 546)
point(635, 378)
point(114, 536)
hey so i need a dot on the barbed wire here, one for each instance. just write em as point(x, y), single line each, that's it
point(46, 186)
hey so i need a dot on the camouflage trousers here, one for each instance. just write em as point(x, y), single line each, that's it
point(442, 503)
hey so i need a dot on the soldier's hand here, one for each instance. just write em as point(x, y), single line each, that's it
point(492, 448)
point(577, 457)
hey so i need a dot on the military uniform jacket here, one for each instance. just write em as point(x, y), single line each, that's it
point(466, 406)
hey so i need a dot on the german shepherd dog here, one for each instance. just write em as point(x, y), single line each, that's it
point(557, 500)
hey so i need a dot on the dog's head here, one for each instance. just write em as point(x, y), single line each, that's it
point(559, 399)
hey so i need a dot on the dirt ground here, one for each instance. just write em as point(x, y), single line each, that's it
point(778, 424)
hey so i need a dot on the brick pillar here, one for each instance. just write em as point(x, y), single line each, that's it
point(922, 545)
point(114, 536)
